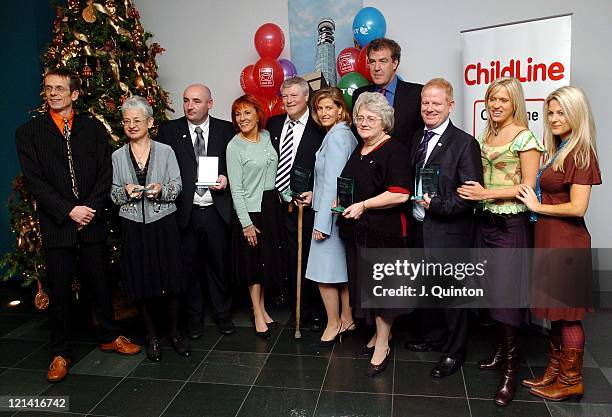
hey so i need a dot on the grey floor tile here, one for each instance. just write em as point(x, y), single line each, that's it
point(107, 364)
point(210, 400)
point(84, 391)
point(333, 404)
point(230, 367)
point(409, 406)
point(347, 374)
point(289, 371)
point(279, 402)
point(41, 359)
point(23, 382)
point(15, 350)
point(579, 410)
point(413, 378)
point(171, 366)
point(487, 408)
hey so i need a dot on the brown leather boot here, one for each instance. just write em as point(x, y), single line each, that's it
point(58, 369)
point(507, 385)
point(496, 359)
point(569, 381)
point(552, 368)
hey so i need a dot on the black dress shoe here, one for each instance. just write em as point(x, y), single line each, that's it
point(264, 335)
point(446, 367)
point(226, 326)
point(423, 347)
point(180, 345)
point(153, 350)
point(273, 324)
point(376, 369)
point(195, 330)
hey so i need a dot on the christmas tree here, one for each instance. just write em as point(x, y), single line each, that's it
point(107, 46)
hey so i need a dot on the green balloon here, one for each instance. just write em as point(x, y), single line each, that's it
point(348, 84)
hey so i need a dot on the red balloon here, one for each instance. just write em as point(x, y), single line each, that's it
point(347, 61)
point(269, 76)
point(247, 82)
point(362, 63)
point(264, 102)
point(277, 106)
point(269, 41)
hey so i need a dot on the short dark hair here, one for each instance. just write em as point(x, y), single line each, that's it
point(382, 43)
point(248, 100)
point(64, 72)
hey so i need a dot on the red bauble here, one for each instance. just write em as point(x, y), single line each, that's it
point(347, 61)
point(247, 82)
point(362, 63)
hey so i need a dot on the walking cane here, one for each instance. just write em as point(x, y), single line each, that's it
point(298, 290)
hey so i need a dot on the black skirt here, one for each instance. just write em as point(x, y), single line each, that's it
point(150, 258)
point(261, 264)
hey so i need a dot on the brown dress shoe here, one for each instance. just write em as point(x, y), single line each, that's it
point(569, 381)
point(121, 345)
point(552, 368)
point(58, 369)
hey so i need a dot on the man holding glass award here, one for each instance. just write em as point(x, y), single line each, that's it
point(204, 206)
point(444, 158)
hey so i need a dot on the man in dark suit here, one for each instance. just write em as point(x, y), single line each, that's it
point(444, 220)
point(66, 163)
point(383, 59)
point(203, 214)
point(296, 138)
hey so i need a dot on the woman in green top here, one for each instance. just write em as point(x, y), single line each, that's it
point(251, 168)
point(510, 157)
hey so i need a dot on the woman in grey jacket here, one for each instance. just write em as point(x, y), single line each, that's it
point(146, 181)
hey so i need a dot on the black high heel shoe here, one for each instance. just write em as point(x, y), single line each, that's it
point(322, 344)
point(376, 369)
point(264, 335)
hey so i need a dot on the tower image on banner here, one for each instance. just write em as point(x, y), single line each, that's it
point(326, 50)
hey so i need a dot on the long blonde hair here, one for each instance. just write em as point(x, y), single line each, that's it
point(515, 91)
point(578, 115)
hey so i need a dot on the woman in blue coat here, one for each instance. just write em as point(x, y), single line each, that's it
point(327, 258)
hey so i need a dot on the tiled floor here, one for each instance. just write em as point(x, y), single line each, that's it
point(242, 375)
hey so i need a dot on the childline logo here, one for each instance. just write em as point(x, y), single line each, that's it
point(414, 270)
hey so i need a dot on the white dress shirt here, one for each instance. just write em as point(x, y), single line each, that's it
point(298, 131)
point(418, 211)
point(206, 199)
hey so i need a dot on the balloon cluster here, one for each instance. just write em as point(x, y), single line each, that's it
point(352, 63)
point(264, 78)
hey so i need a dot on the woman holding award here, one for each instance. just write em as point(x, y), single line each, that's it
point(251, 168)
point(510, 155)
point(559, 202)
point(327, 257)
point(146, 181)
point(377, 217)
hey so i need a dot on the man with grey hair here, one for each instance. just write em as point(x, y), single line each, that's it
point(296, 138)
point(203, 215)
point(383, 59)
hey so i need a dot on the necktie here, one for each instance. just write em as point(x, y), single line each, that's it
point(73, 180)
point(383, 91)
point(199, 146)
point(422, 149)
point(284, 164)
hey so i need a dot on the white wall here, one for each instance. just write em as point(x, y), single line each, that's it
point(211, 41)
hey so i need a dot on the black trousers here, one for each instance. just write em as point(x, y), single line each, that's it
point(311, 304)
point(441, 326)
point(88, 262)
point(204, 255)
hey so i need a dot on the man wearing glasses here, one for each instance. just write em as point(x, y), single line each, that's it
point(405, 98)
point(66, 163)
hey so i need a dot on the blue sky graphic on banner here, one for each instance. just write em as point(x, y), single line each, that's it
point(304, 16)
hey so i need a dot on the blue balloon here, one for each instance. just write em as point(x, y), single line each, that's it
point(369, 24)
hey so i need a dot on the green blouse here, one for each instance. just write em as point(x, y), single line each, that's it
point(502, 169)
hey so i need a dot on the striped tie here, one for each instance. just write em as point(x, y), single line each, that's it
point(284, 164)
point(71, 170)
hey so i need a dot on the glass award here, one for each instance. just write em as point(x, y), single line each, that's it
point(298, 182)
point(345, 193)
point(430, 177)
point(208, 172)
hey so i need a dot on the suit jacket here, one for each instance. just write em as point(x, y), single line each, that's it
point(41, 149)
point(407, 106)
point(176, 134)
point(309, 143)
point(448, 222)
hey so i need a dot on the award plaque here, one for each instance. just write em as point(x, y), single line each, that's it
point(208, 171)
point(430, 177)
point(345, 192)
point(299, 181)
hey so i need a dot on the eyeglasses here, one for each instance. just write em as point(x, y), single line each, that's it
point(370, 120)
point(57, 88)
point(128, 122)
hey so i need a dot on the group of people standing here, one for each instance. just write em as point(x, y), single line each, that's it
point(178, 237)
